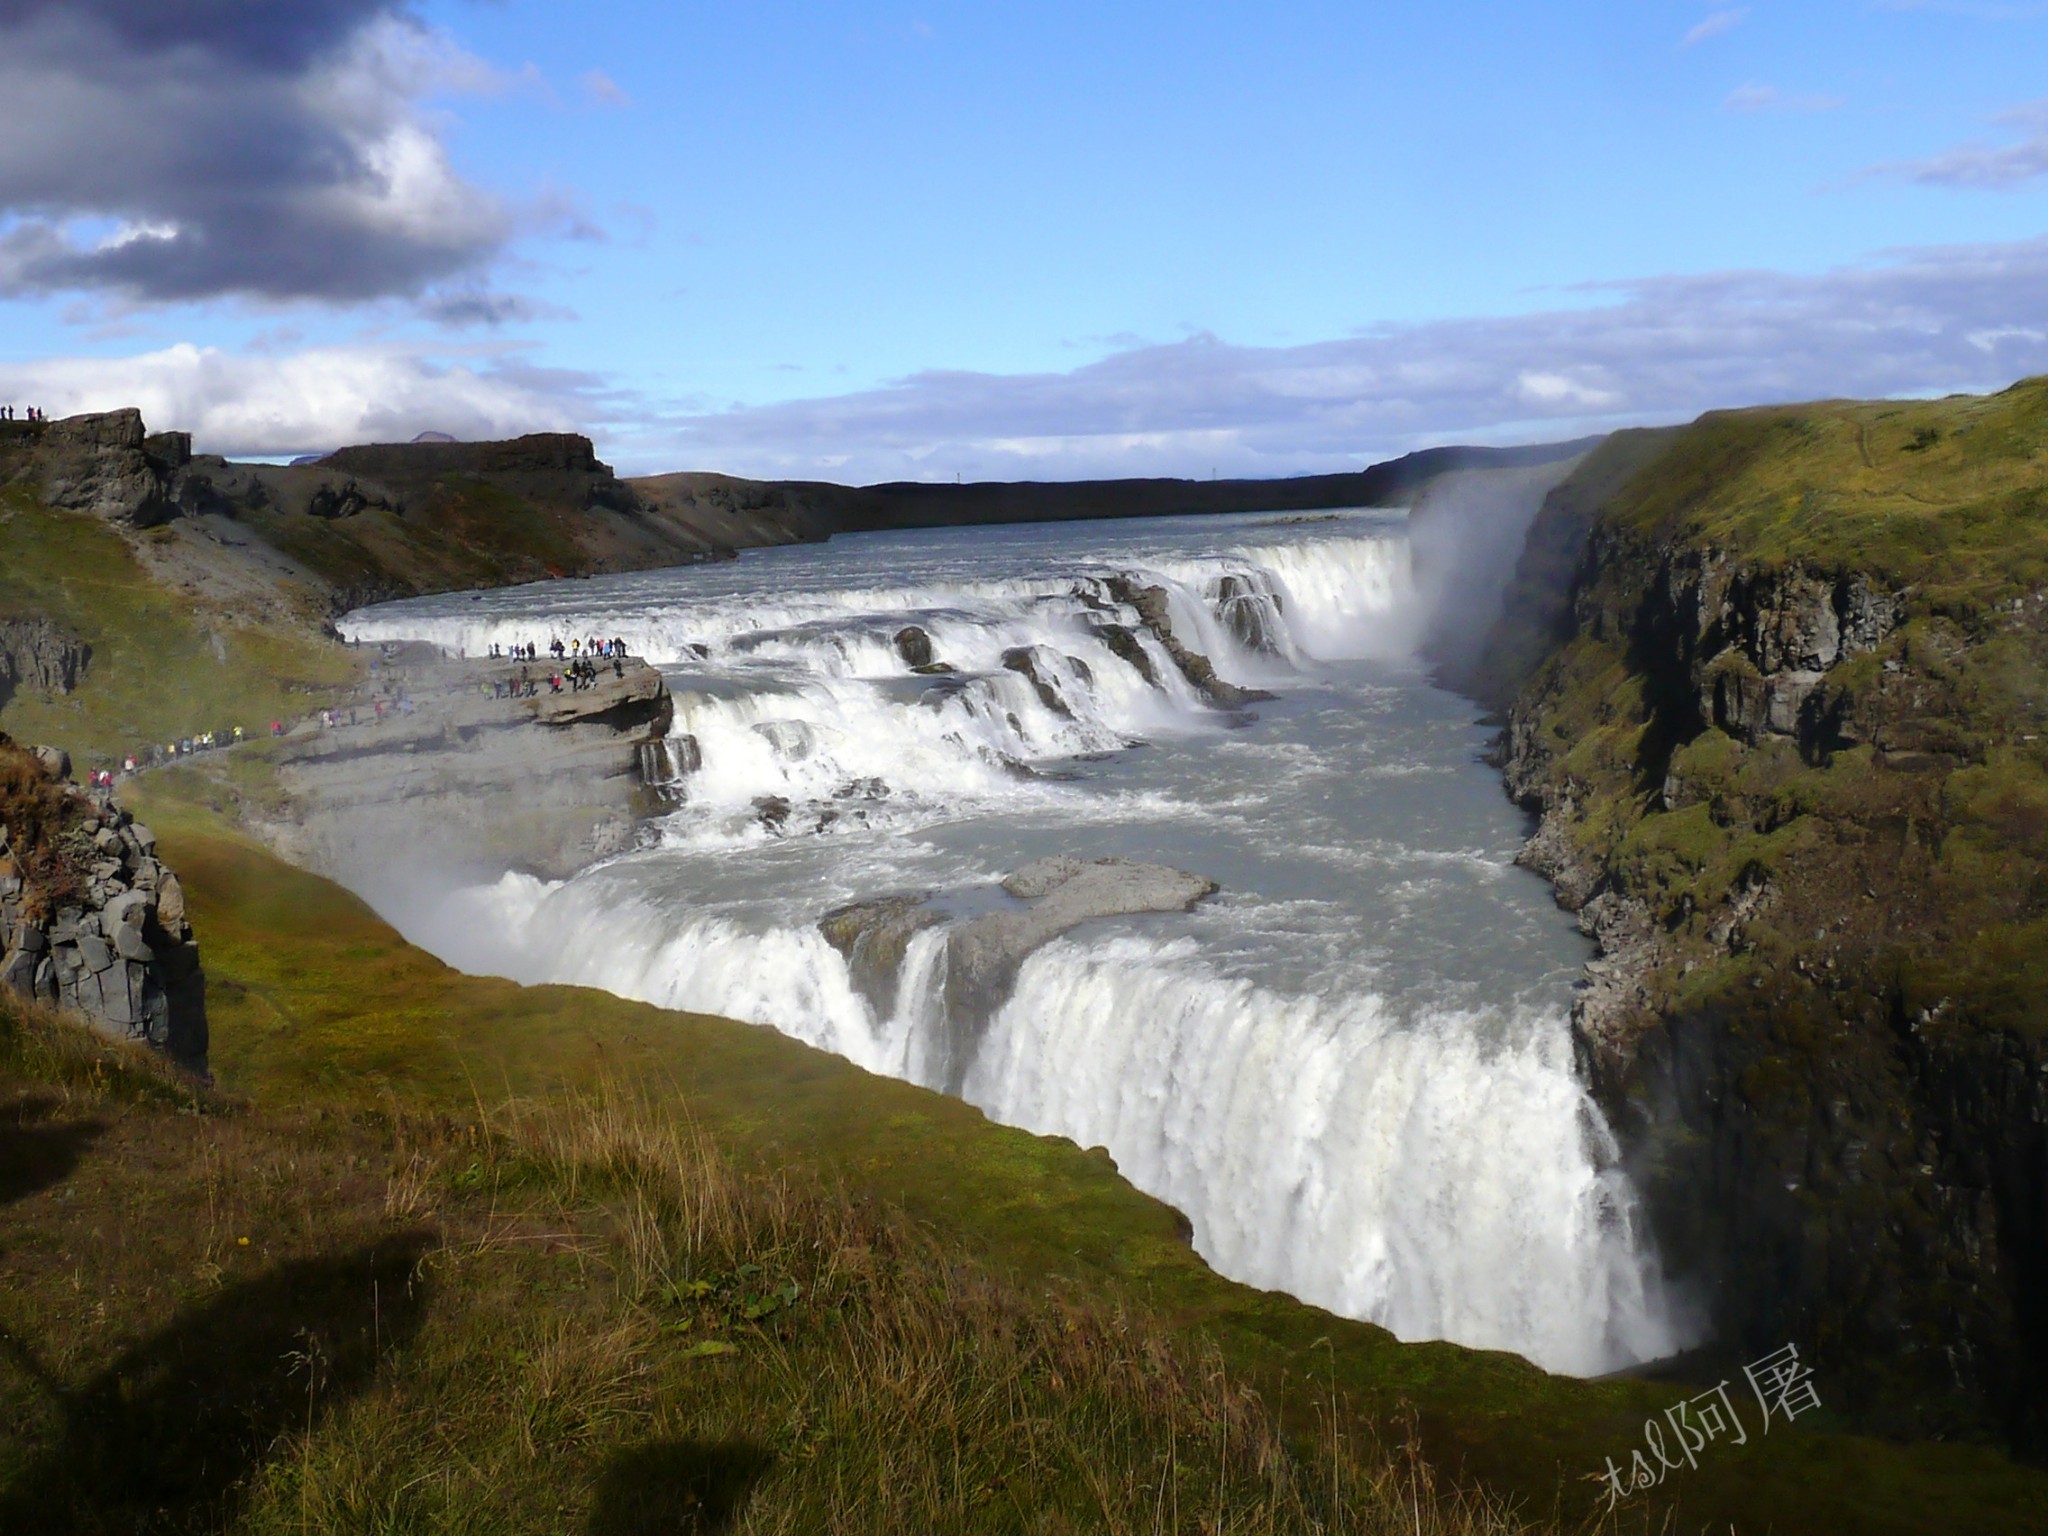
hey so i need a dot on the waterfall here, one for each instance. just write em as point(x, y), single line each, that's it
point(1336, 1112)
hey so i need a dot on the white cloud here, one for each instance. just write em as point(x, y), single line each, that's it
point(1549, 391)
point(1714, 26)
point(1659, 349)
point(1768, 98)
point(262, 405)
point(1652, 350)
point(602, 89)
point(1979, 165)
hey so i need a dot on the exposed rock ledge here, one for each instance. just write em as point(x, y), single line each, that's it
point(984, 952)
point(38, 656)
point(463, 771)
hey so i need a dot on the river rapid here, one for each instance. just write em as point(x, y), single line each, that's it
point(1351, 1068)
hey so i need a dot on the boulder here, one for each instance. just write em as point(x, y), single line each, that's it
point(94, 952)
point(914, 645)
point(18, 972)
point(1024, 659)
point(129, 945)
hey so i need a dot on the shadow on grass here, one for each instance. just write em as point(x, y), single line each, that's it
point(32, 1156)
point(165, 1438)
point(676, 1486)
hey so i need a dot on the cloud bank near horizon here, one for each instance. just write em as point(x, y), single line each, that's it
point(1651, 350)
point(248, 405)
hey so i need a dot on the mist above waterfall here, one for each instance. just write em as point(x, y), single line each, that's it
point(1350, 1069)
point(1465, 535)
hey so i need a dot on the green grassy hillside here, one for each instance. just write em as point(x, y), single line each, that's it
point(576, 1314)
point(165, 664)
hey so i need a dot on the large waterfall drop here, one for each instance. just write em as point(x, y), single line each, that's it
point(1351, 1068)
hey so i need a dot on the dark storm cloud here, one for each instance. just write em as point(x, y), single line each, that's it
point(184, 149)
point(460, 310)
point(261, 33)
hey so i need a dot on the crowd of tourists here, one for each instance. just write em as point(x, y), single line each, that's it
point(156, 754)
point(594, 648)
point(7, 414)
point(579, 670)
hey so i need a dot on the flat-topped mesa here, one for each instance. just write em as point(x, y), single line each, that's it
point(91, 920)
point(359, 525)
point(553, 466)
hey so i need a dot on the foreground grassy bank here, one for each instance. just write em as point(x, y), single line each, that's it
point(323, 1017)
point(571, 1315)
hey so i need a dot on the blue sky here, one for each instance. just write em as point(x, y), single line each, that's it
point(866, 241)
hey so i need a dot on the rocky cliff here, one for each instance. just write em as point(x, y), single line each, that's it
point(1778, 690)
point(37, 655)
point(90, 919)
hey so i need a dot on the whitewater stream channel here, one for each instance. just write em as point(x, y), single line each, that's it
point(1350, 1068)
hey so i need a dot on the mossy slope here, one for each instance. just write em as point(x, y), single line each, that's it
point(1785, 711)
point(165, 664)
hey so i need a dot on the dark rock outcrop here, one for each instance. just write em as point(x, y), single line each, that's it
point(1150, 604)
point(1023, 660)
point(453, 765)
point(558, 467)
point(914, 645)
point(1744, 774)
point(90, 919)
point(98, 464)
point(1244, 609)
point(37, 656)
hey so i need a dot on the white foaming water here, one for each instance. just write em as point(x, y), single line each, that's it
point(1351, 1070)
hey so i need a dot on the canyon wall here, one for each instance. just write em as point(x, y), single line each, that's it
point(1786, 748)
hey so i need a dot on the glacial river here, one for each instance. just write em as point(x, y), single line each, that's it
point(1350, 1069)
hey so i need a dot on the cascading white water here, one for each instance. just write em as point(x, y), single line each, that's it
point(1387, 1170)
point(1350, 1099)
